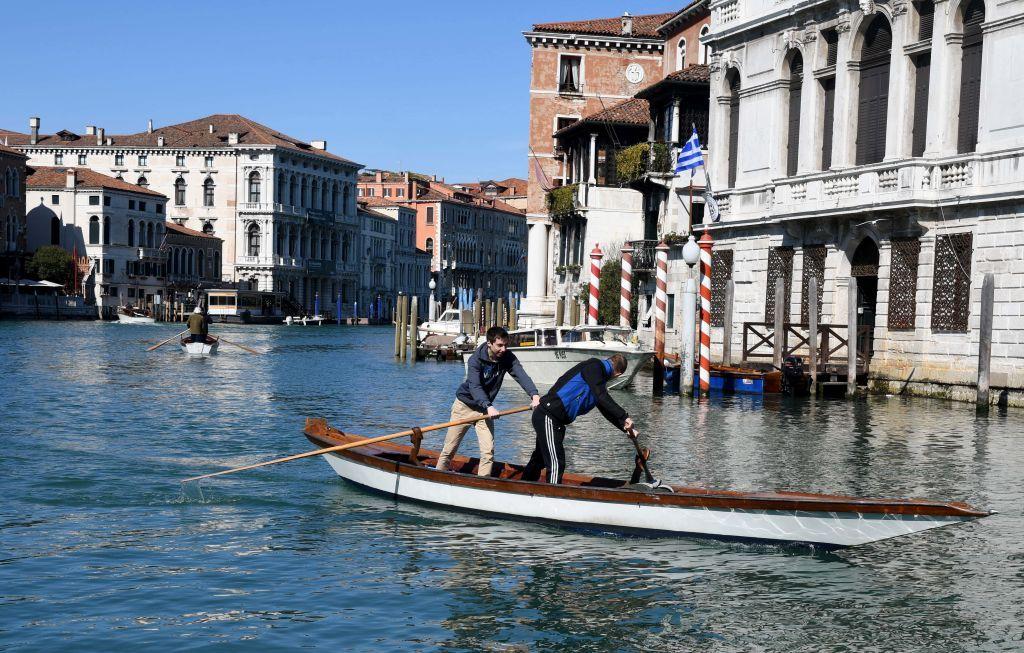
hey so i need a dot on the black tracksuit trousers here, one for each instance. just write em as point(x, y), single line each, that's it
point(548, 452)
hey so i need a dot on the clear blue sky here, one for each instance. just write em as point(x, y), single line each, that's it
point(437, 87)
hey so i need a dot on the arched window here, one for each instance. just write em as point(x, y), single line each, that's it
point(344, 246)
point(970, 77)
point(254, 187)
point(334, 198)
point(279, 191)
point(175, 261)
point(191, 270)
point(280, 240)
point(291, 241)
point(324, 206)
point(733, 79)
point(293, 192)
point(304, 194)
point(215, 273)
point(703, 49)
point(253, 244)
point(323, 245)
point(201, 259)
point(344, 199)
point(54, 230)
point(430, 247)
point(314, 199)
point(142, 182)
point(796, 78)
point(208, 187)
point(681, 55)
point(94, 230)
point(131, 233)
point(922, 64)
point(14, 189)
point(179, 192)
point(149, 235)
point(873, 103)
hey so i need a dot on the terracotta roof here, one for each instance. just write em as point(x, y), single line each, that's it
point(643, 26)
point(373, 200)
point(511, 186)
point(447, 194)
point(185, 231)
point(11, 151)
point(517, 185)
point(51, 177)
point(694, 75)
point(376, 214)
point(697, 9)
point(194, 133)
point(633, 112)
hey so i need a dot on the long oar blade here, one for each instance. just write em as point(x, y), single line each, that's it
point(248, 349)
point(353, 445)
point(177, 335)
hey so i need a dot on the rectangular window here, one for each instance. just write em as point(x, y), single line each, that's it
point(951, 288)
point(399, 192)
point(430, 215)
point(387, 192)
point(81, 159)
point(118, 159)
point(828, 87)
point(721, 273)
point(179, 160)
point(569, 74)
point(106, 200)
point(159, 208)
point(131, 205)
point(143, 160)
point(142, 206)
point(831, 46)
point(903, 283)
point(780, 266)
point(94, 200)
point(670, 312)
point(208, 162)
point(926, 15)
point(922, 71)
point(55, 199)
point(359, 191)
point(58, 159)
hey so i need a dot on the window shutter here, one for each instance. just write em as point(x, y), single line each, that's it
point(970, 77)
point(874, 92)
point(796, 72)
point(734, 127)
point(828, 117)
point(926, 15)
point(922, 66)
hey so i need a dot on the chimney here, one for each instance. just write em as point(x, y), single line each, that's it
point(232, 136)
point(71, 178)
point(378, 177)
point(33, 124)
point(100, 134)
point(90, 130)
point(149, 128)
point(160, 141)
point(627, 24)
point(319, 145)
point(211, 128)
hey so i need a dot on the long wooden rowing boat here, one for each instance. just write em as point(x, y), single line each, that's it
point(610, 504)
point(199, 348)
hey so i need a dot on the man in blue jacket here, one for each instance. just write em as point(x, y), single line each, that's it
point(485, 371)
point(575, 393)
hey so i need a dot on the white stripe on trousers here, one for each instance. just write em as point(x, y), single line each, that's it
point(549, 429)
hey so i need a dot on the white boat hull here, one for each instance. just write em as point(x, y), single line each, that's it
point(546, 364)
point(819, 528)
point(200, 348)
point(134, 319)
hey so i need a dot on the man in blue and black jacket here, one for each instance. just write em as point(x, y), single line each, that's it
point(575, 393)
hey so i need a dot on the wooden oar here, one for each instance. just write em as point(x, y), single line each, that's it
point(168, 340)
point(642, 461)
point(353, 445)
point(248, 349)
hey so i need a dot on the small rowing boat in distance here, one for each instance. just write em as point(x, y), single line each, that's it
point(199, 348)
point(830, 521)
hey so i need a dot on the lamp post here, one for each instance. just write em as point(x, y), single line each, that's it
point(691, 255)
point(432, 310)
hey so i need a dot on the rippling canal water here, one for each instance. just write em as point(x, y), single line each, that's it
point(100, 549)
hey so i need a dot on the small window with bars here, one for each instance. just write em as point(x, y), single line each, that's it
point(814, 268)
point(721, 273)
point(780, 266)
point(951, 286)
point(903, 283)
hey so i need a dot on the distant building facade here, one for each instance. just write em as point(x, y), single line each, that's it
point(12, 212)
point(194, 259)
point(511, 191)
point(411, 264)
point(119, 226)
point(284, 208)
point(377, 257)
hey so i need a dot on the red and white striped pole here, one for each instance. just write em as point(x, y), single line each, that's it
point(660, 300)
point(705, 244)
point(626, 301)
point(595, 281)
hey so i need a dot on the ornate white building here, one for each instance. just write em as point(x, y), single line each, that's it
point(880, 142)
point(285, 208)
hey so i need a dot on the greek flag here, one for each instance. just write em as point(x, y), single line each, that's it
point(690, 157)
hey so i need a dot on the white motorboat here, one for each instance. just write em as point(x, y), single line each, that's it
point(548, 353)
point(619, 505)
point(129, 315)
point(304, 320)
point(448, 324)
point(199, 348)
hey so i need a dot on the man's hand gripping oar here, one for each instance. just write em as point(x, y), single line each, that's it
point(641, 460)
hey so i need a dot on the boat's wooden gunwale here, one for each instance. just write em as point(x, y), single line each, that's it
point(683, 496)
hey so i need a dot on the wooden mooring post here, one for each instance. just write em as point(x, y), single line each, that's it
point(502, 321)
point(985, 342)
point(812, 330)
point(476, 317)
point(559, 312)
point(413, 315)
point(730, 294)
point(398, 328)
point(851, 338)
point(779, 339)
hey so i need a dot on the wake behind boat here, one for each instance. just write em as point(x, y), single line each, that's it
point(594, 502)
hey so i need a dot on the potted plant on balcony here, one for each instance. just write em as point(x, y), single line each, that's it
point(572, 269)
point(630, 162)
point(562, 202)
point(673, 239)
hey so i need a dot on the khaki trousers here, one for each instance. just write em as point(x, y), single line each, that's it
point(484, 436)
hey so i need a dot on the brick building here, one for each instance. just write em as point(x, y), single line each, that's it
point(12, 212)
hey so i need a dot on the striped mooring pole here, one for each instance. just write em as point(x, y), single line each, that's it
point(626, 300)
point(595, 281)
point(660, 305)
point(705, 244)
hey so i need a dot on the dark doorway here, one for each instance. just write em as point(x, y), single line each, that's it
point(864, 268)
